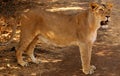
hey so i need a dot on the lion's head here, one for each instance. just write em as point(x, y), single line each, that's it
point(102, 11)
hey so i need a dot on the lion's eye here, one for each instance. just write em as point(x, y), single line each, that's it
point(101, 9)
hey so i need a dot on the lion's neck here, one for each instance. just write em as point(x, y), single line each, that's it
point(93, 19)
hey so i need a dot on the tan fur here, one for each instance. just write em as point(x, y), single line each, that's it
point(62, 30)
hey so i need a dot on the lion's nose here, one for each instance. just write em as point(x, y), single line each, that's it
point(107, 16)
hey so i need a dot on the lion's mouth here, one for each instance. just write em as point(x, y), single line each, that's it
point(102, 23)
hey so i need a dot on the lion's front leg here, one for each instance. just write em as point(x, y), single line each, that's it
point(85, 51)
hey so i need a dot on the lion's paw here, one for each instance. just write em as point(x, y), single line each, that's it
point(36, 61)
point(91, 70)
point(23, 63)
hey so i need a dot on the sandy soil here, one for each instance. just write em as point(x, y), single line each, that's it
point(66, 61)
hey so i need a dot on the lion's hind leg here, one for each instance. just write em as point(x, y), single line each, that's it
point(19, 52)
point(24, 43)
point(30, 50)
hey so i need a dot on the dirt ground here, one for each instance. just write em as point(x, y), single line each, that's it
point(66, 61)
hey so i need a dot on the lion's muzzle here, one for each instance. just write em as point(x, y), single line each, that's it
point(104, 24)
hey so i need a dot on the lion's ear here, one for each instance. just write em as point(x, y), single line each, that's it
point(110, 5)
point(94, 5)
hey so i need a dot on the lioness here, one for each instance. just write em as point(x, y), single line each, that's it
point(80, 29)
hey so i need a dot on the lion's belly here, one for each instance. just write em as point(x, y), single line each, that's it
point(61, 33)
point(57, 38)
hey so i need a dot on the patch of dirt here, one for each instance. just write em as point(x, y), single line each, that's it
point(66, 61)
